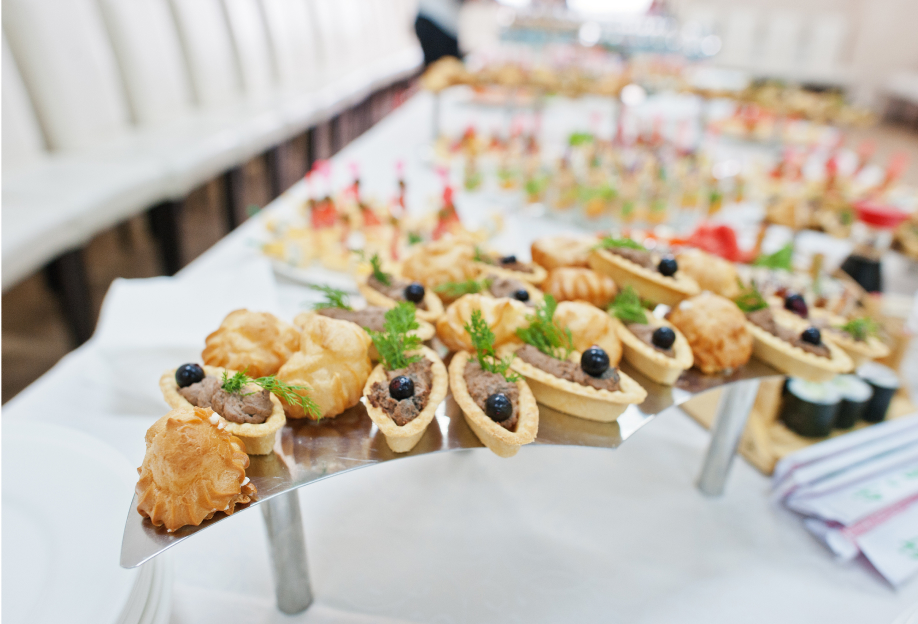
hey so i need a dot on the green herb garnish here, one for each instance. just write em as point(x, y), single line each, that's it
point(749, 299)
point(861, 328)
point(609, 242)
point(546, 335)
point(483, 344)
point(454, 290)
point(378, 274)
point(287, 393)
point(627, 307)
point(394, 342)
point(481, 256)
point(780, 259)
point(414, 238)
point(334, 298)
point(579, 138)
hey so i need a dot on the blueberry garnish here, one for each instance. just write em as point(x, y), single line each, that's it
point(401, 387)
point(811, 335)
point(668, 266)
point(508, 260)
point(188, 374)
point(414, 292)
point(796, 304)
point(521, 295)
point(663, 337)
point(594, 361)
point(498, 407)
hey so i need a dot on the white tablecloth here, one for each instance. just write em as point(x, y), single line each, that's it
point(554, 534)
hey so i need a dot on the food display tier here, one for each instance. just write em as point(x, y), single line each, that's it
point(308, 451)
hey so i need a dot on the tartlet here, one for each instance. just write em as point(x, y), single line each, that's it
point(258, 438)
point(573, 398)
point(860, 351)
point(536, 276)
point(375, 298)
point(792, 360)
point(651, 285)
point(501, 441)
point(402, 439)
point(580, 284)
point(657, 366)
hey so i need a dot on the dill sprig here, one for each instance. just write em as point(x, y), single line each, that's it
point(483, 344)
point(454, 290)
point(545, 334)
point(414, 238)
point(627, 307)
point(861, 328)
point(579, 138)
point(749, 299)
point(780, 259)
point(394, 342)
point(480, 256)
point(608, 242)
point(288, 393)
point(334, 298)
point(381, 276)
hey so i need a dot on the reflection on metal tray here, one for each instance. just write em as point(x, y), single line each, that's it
point(308, 451)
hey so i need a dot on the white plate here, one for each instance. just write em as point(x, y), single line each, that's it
point(65, 496)
point(316, 275)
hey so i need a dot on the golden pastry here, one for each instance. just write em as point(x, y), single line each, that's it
point(715, 330)
point(590, 326)
point(503, 316)
point(257, 436)
point(449, 259)
point(656, 279)
point(192, 469)
point(578, 284)
point(553, 252)
point(256, 342)
point(333, 362)
point(711, 272)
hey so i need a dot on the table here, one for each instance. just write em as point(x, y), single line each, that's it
point(553, 534)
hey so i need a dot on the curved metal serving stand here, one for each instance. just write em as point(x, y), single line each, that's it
point(308, 451)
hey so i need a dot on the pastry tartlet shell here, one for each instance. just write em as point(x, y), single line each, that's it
point(258, 438)
point(649, 284)
point(794, 361)
point(537, 276)
point(403, 439)
point(573, 398)
point(657, 366)
point(859, 352)
point(375, 298)
point(502, 442)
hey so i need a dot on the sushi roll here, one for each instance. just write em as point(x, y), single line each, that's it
point(810, 408)
point(856, 394)
point(885, 383)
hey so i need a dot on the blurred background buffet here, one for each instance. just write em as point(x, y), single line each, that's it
point(715, 201)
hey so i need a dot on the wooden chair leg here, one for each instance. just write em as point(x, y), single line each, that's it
point(67, 277)
point(233, 197)
point(165, 222)
point(276, 168)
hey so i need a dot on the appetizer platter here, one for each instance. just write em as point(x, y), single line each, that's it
point(458, 347)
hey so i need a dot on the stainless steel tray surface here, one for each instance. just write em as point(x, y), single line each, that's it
point(308, 451)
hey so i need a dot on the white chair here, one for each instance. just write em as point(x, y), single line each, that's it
point(253, 49)
point(780, 52)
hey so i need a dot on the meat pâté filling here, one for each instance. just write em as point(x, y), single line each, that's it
point(252, 405)
point(482, 384)
point(569, 371)
point(370, 318)
point(640, 257)
point(404, 411)
point(395, 289)
point(765, 319)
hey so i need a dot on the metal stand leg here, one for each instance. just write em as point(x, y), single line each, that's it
point(288, 552)
point(732, 413)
